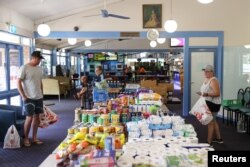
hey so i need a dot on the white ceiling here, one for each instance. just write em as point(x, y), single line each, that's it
point(38, 10)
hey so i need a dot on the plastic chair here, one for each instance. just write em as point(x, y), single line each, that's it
point(245, 111)
point(234, 108)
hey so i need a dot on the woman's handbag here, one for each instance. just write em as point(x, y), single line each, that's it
point(12, 138)
point(201, 111)
point(212, 106)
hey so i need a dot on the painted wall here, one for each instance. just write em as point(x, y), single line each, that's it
point(229, 16)
point(24, 25)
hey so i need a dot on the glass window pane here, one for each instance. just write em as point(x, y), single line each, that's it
point(4, 101)
point(46, 51)
point(15, 101)
point(3, 85)
point(26, 41)
point(6, 37)
point(46, 65)
point(26, 54)
point(14, 67)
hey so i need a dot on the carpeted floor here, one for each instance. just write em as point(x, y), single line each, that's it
point(53, 135)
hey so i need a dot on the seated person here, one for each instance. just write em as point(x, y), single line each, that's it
point(141, 70)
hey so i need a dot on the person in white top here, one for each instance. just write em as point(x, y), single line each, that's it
point(210, 89)
point(29, 84)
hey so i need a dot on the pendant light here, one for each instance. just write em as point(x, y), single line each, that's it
point(205, 1)
point(43, 30)
point(170, 25)
point(88, 43)
point(72, 41)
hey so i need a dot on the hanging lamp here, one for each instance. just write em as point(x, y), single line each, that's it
point(43, 30)
point(170, 25)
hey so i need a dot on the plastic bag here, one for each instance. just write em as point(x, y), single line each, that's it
point(12, 138)
point(47, 118)
point(201, 111)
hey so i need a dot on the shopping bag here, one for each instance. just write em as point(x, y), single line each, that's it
point(201, 111)
point(12, 138)
point(48, 117)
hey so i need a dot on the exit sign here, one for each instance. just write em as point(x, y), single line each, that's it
point(12, 29)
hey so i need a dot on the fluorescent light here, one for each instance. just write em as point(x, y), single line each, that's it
point(205, 1)
point(247, 46)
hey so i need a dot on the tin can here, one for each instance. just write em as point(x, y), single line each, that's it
point(84, 118)
point(105, 118)
point(93, 130)
point(71, 131)
point(115, 119)
point(84, 130)
point(106, 129)
point(92, 118)
point(100, 120)
point(119, 130)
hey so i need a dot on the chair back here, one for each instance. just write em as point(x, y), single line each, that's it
point(240, 96)
point(247, 97)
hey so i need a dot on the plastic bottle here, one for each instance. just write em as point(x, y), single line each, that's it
point(241, 126)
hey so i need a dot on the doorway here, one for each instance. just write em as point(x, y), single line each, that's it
point(199, 59)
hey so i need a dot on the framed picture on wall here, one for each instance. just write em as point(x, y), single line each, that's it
point(152, 16)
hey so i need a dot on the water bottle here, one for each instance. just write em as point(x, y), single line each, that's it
point(241, 126)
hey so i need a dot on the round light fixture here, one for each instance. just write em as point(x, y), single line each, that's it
point(72, 41)
point(170, 26)
point(161, 40)
point(43, 30)
point(88, 43)
point(205, 1)
point(153, 44)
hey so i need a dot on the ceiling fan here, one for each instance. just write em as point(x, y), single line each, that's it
point(105, 14)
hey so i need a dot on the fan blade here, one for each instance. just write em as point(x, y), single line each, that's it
point(106, 14)
point(118, 16)
point(92, 15)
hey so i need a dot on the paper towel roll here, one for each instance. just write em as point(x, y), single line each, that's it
point(194, 150)
point(181, 150)
point(142, 152)
point(141, 159)
point(130, 151)
point(207, 149)
point(147, 139)
point(192, 139)
point(157, 162)
point(124, 163)
point(134, 140)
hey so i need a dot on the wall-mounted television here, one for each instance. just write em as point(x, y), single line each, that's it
point(119, 67)
point(99, 57)
point(111, 56)
point(177, 42)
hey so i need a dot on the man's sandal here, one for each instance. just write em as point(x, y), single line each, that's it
point(38, 142)
point(26, 144)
